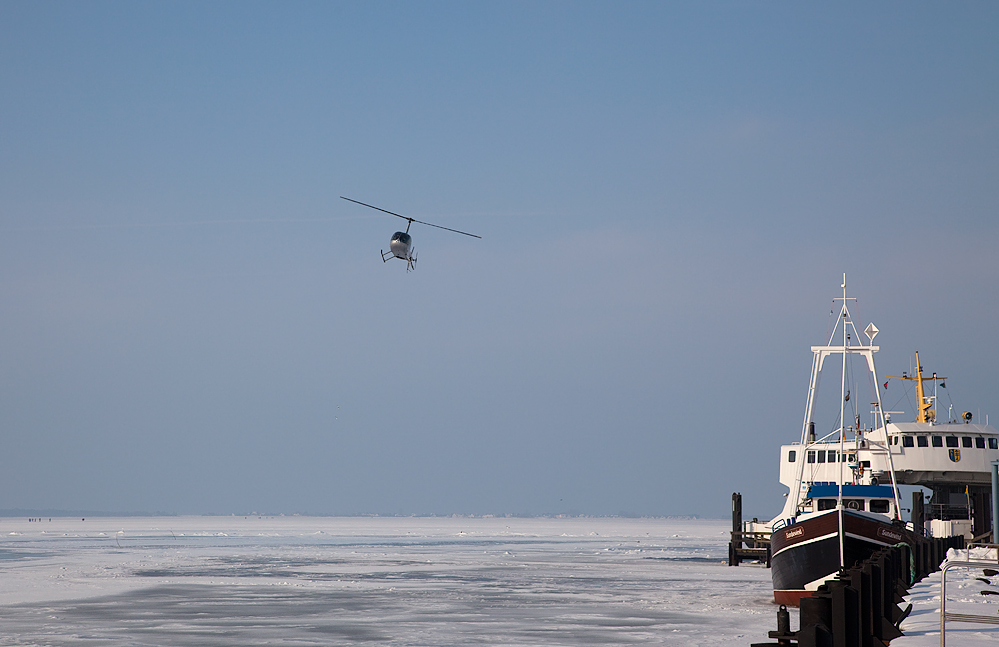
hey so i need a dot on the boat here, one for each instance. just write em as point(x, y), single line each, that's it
point(843, 502)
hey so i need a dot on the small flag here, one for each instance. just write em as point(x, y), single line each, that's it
point(886, 384)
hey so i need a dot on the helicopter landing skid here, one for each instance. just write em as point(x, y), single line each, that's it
point(410, 262)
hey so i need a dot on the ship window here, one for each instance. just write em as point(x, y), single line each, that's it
point(827, 504)
point(790, 456)
point(993, 443)
point(907, 441)
point(811, 457)
point(979, 442)
point(966, 441)
point(832, 456)
point(852, 458)
point(952, 441)
point(822, 456)
point(923, 441)
point(865, 463)
point(853, 504)
point(879, 505)
point(938, 441)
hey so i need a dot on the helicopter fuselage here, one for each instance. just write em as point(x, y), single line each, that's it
point(400, 245)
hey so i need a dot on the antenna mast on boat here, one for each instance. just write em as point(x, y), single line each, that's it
point(924, 410)
point(842, 426)
point(819, 355)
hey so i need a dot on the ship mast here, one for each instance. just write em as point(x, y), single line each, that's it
point(819, 355)
point(924, 412)
point(845, 315)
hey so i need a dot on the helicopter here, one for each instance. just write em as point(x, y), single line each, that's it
point(401, 245)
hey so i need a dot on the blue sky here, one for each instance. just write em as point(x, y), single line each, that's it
point(668, 195)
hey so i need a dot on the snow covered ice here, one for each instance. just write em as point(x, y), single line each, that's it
point(390, 580)
point(922, 627)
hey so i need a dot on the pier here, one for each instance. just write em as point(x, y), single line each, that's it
point(859, 607)
point(743, 545)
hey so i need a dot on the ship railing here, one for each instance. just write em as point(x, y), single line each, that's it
point(753, 539)
point(975, 544)
point(947, 511)
point(960, 617)
point(781, 523)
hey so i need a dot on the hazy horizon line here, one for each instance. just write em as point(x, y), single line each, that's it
point(83, 514)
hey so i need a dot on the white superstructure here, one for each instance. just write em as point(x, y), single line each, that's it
point(952, 458)
point(921, 453)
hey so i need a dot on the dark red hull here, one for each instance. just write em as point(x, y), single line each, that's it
point(809, 551)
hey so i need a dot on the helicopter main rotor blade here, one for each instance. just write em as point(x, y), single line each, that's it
point(378, 208)
point(408, 218)
point(448, 228)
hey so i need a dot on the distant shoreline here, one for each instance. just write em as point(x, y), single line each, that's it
point(18, 513)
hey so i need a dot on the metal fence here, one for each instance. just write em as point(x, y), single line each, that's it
point(960, 617)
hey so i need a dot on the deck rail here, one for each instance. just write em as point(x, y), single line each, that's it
point(978, 544)
point(960, 617)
